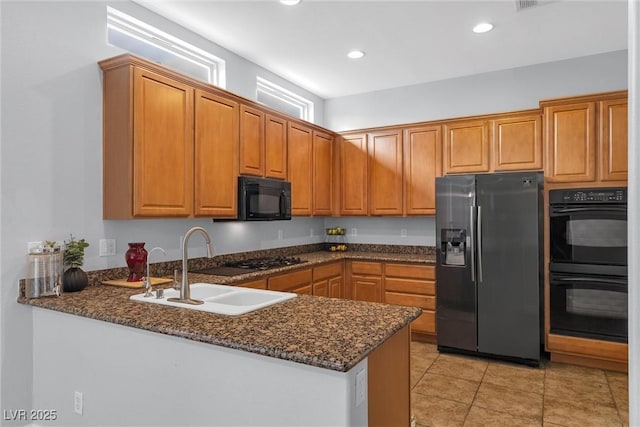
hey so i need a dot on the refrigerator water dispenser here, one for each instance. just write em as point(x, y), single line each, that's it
point(453, 246)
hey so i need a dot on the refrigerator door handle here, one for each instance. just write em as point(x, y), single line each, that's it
point(479, 244)
point(472, 249)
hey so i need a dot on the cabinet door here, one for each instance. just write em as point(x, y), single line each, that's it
point(336, 285)
point(275, 147)
point(322, 174)
point(321, 288)
point(300, 168)
point(162, 146)
point(353, 169)
point(216, 156)
point(385, 173)
point(289, 282)
point(570, 141)
point(251, 141)
point(466, 147)
point(518, 143)
point(303, 290)
point(367, 288)
point(422, 164)
point(613, 140)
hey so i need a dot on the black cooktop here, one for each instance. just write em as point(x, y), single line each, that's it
point(235, 268)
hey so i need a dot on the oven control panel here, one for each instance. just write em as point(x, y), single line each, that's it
point(589, 195)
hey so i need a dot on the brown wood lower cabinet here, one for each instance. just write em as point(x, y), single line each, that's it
point(298, 281)
point(365, 278)
point(413, 285)
point(397, 283)
point(588, 352)
point(255, 284)
point(389, 382)
point(328, 280)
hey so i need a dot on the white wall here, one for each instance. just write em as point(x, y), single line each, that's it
point(634, 212)
point(508, 90)
point(132, 377)
point(412, 231)
point(51, 180)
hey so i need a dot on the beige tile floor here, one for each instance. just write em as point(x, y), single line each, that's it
point(451, 390)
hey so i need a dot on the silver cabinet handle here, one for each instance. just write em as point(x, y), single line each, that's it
point(472, 249)
point(480, 244)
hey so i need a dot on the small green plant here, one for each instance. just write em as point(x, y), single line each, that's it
point(74, 252)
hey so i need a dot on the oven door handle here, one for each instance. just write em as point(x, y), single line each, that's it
point(612, 282)
point(613, 209)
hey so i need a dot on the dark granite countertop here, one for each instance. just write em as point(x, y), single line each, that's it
point(314, 259)
point(324, 332)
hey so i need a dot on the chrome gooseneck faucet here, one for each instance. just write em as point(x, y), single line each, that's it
point(185, 290)
point(147, 279)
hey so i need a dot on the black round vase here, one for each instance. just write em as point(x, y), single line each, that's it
point(74, 279)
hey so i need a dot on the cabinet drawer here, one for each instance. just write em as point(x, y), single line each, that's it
point(424, 287)
point(287, 281)
point(327, 270)
point(426, 323)
point(411, 271)
point(255, 284)
point(361, 267)
point(423, 301)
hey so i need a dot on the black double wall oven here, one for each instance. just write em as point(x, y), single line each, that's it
point(588, 263)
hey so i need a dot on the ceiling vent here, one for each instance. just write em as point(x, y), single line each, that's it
point(525, 4)
point(528, 4)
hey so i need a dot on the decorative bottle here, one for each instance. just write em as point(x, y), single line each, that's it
point(136, 258)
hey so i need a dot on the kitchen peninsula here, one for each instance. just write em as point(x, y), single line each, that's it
point(306, 361)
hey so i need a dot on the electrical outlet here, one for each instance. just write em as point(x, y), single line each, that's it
point(107, 247)
point(361, 387)
point(403, 232)
point(280, 234)
point(354, 231)
point(78, 402)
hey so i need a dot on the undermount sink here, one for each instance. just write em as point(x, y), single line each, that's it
point(221, 299)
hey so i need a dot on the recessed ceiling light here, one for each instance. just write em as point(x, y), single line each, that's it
point(355, 54)
point(290, 2)
point(482, 27)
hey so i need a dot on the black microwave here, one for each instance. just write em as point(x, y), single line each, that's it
point(263, 199)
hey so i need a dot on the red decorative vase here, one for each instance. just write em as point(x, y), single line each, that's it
point(136, 257)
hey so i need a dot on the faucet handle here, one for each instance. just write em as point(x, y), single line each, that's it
point(176, 283)
point(146, 281)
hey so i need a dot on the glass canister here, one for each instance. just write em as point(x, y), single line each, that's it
point(44, 277)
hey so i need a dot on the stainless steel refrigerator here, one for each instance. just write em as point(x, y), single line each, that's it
point(489, 264)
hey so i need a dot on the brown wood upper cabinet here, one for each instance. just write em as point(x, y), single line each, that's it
point(613, 139)
point(571, 142)
point(322, 173)
point(148, 144)
point(466, 146)
point(385, 172)
point(353, 174)
point(216, 156)
point(517, 143)
point(300, 152)
point(251, 141)
point(275, 147)
point(586, 138)
point(170, 144)
point(422, 164)
point(263, 143)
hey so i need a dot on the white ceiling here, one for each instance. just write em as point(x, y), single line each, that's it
point(407, 42)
